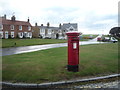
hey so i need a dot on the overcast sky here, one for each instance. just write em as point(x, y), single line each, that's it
point(92, 16)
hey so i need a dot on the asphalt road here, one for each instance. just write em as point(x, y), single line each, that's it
point(25, 49)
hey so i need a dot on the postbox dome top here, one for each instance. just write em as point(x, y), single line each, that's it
point(73, 33)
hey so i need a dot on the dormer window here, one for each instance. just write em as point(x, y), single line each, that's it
point(12, 27)
point(71, 29)
point(29, 28)
point(20, 27)
point(1, 26)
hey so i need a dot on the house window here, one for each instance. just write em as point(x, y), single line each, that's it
point(1, 34)
point(49, 31)
point(42, 31)
point(25, 34)
point(20, 27)
point(29, 28)
point(12, 27)
point(71, 29)
point(21, 34)
point(29, 34)
point(52, 31)
point(1, 26)
point(12, 34)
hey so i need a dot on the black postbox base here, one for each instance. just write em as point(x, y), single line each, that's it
point(73, 68)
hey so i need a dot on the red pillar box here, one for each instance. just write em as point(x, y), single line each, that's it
point(73, 51)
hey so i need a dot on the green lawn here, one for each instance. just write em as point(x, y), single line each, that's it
point(50, 65)
point(87, 35)
point(34, 41)
point(28, 42)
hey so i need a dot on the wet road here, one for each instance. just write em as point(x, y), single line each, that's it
point(25, 49)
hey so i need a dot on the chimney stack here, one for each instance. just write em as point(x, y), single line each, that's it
point(28, 19)
point(41, 24)
point(35, 24)
point(60, 25)
point(48, 24)
point(4, 16)
point(13, 18)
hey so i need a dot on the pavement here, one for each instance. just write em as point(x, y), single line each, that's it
point(74, 84)
point(26, 49)
point(113, 84)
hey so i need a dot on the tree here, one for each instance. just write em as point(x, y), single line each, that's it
point(115, 32)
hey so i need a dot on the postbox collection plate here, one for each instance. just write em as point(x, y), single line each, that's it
point(74, 45)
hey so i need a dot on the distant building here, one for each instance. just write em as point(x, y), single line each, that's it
point(56, 32)
point(36, 31)
point(14, 28)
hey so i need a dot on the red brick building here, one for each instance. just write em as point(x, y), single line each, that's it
point(14, 28)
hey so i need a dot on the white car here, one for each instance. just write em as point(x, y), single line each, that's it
point(61, 38)
point(113, 40)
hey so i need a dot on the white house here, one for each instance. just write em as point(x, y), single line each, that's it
point(57, 32)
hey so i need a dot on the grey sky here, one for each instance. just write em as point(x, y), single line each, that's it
point(92, 16)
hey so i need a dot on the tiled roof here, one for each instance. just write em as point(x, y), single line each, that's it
point(63, 27)
point(16, 22)
point(67, 25)
point(45, 27)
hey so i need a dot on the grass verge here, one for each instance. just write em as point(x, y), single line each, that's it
point(50, 65)
point(28, 42)
point(34, 41)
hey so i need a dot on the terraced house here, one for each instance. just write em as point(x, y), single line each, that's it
point(14, 28)
point(55, 32)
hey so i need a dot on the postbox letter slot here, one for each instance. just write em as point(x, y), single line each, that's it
point(74, 45)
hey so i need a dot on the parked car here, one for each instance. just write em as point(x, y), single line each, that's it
point(61, 38)
point(99, 39)
point(106, 39)
point(47, 38)
point(113, 40)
